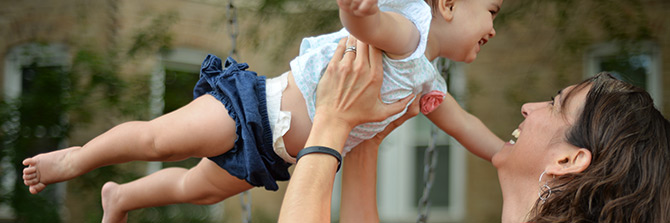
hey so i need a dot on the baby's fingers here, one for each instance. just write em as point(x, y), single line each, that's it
point(366, 8)
point(349, 5)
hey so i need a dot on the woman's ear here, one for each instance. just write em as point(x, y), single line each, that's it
point(446, 9)
point(573, 160)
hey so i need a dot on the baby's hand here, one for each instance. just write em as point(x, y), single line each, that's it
point(359, 7)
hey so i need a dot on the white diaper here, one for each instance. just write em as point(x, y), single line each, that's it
point(280, 121)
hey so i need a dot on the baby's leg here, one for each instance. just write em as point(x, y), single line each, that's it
point(206, 183)
point(202, 128)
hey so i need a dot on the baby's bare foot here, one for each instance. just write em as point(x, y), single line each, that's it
point(48, 168)
point(110, 197)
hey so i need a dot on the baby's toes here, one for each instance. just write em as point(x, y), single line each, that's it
point(36, 188)
point(29, 181)
point(28, 162)
point(29, 170)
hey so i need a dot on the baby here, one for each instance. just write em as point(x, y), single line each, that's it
point(250, 129)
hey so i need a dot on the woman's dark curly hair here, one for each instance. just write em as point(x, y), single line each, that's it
point(628, 179)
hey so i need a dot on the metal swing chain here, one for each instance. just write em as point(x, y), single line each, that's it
point(233, 31)
point(245, 200)
point(233, 27)
point(430, 159)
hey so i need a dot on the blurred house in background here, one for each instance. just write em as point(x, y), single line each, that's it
point(71, 69)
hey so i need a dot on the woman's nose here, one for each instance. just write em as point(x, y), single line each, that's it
point(528, 108)
point(492, 33)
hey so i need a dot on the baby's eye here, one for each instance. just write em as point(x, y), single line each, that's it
point(493, 12)
point(552, 101)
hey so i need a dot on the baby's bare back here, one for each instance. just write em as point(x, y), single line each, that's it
point(301, 124)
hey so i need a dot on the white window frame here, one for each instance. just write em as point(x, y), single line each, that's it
point(178, 58)
point(654, 84)
point(183, 59)
point(53, 54)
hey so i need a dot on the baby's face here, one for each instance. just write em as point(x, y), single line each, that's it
point(470, 28)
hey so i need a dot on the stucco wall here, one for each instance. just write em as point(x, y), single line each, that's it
point(524, 62)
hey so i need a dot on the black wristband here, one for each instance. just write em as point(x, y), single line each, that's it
point(321, 149)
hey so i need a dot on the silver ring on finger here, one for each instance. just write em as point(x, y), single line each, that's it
point(350, 49)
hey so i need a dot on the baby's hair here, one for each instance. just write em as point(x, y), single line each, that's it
point(433, 5)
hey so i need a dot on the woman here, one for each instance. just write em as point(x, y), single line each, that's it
point(600, 152)
point(599, 149)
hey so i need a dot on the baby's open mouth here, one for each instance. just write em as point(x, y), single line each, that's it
point(482, 42)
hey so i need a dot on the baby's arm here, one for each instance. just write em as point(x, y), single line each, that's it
point(466, 128)
point(391, 32)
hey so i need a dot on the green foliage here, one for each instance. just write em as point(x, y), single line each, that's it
point(579, 24)
point(172, 213)
point(567, 30)
point(31, 208)
point(62, 99)
point(39, 111)
point(297, 19)
point(55, 99)
point(155, 36)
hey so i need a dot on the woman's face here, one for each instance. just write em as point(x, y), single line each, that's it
point(544, 128)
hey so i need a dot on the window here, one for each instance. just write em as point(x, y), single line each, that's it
point(35, 84)
point(172, 83)
point(401, 167)
point(174, 78)
point(172, 87)
point(439, 197)
point(638, 64)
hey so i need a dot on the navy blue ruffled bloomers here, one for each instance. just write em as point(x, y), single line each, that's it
point(242, 92)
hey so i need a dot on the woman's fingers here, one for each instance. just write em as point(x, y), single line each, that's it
point(412, 111)
point(339, 52)
point(362, 50)
point(350, 49)
point(375, 55)
point(396, 107)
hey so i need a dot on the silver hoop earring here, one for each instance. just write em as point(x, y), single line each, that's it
point(544, 189)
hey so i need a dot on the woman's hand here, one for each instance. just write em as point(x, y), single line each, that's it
point(412, 111)
point(347, 95)
point(344, 92)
